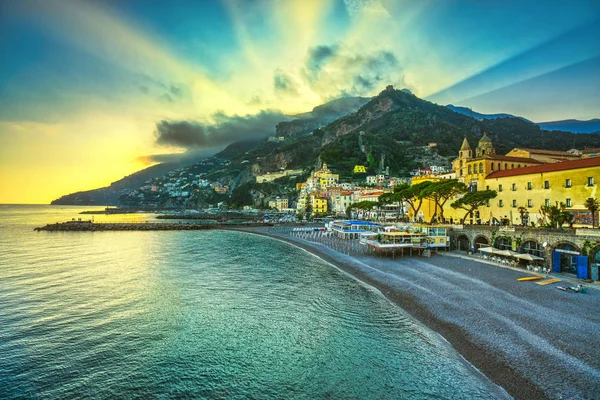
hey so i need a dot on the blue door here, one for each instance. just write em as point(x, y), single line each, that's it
point(582, 267)
point(555, 261)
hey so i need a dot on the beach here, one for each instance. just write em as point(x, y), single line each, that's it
point(534, 341)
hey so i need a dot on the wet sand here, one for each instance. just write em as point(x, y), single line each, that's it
point(534, 341)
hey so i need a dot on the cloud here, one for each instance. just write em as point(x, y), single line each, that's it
point(226, 129)
point(333, 71)
point(283, 83)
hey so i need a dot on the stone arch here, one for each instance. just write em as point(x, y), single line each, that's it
point(567, 264)
point(533, 247)
point(463, 242)
point(503, 243)
point(479, 241)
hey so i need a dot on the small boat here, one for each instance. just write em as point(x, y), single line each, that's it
point(563, 288)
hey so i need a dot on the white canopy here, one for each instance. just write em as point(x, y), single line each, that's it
point(528, 257)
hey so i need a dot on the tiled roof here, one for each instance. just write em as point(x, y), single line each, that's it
point(590, 151)
point(559, 166)
point(547, 152)
point(510, 158)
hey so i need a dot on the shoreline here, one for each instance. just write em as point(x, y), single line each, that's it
point(376, 288)
point(483, 357)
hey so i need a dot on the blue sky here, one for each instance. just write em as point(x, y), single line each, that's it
point(85, 75)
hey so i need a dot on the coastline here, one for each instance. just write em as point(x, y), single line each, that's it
point(497, 365)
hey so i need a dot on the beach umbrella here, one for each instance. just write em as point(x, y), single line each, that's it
point(506, 253)
point(487, 249)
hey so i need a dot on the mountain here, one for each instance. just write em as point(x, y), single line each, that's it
point(399, 127)
point(320, 116)
point(567, 125)
point(302, 124)
point(394, 130)
point(572, 125)
point(109, 195)
point(479, 116)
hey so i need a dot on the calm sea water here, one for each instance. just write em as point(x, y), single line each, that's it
point(204, 315)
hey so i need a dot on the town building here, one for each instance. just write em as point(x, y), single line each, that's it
point(360, 169)
point(279, 203)
point(532, 179)
point(473, 170)
point(568, 182)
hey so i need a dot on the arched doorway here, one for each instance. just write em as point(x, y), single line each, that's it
point(481, 241)
point(503, 243)
point(565, 255)
point(463, 243)
point(534, 248)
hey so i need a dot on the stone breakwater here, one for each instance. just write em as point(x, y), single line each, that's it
point(135, 226)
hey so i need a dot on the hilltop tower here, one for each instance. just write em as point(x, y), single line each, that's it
point(485, 146)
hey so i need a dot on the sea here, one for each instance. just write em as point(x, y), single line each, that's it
point(202, 314)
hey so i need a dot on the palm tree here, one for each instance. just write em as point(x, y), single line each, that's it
point(593, 206)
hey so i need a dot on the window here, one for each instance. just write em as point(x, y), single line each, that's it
point(569, 203)
point(469, 170)
point(500, 203)
point(546, 184)
point(492, 166)
point(512, 166)
point(530, 203)
point(499, 188)
point(547, 202)
point(590, 181)
point(514, 187)
point(534, 248)
point(514, 203)
point(487, 187)
point(480, 168)
point(519, 166)
point(505, 165)
point(499, 166)
point(529, 186)
point(568, 183)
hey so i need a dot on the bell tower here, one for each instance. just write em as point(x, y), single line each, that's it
point(465, 150)
point(485, 146)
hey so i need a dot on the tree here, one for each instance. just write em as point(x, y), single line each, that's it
point(413, 195)
point(471, 201)
point(361, 205)
point(524, 215)
point(308, 209)
point(556, 215)
point(440, 192)
point(593, 206)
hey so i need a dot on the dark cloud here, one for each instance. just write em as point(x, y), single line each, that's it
point(318, 56)
point(283, 83)
point(337, 70)
point(226, 129)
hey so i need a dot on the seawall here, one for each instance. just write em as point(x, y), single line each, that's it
point(77, 226)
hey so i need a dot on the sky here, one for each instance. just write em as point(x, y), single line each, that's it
point(91, 91)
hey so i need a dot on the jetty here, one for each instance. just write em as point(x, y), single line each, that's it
point(89, 226)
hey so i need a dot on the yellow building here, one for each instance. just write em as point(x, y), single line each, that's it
point(528, 178)
point(568, 182)
point(546, 156)
point(360, 169)
point(473, 170)
point(319, 204)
